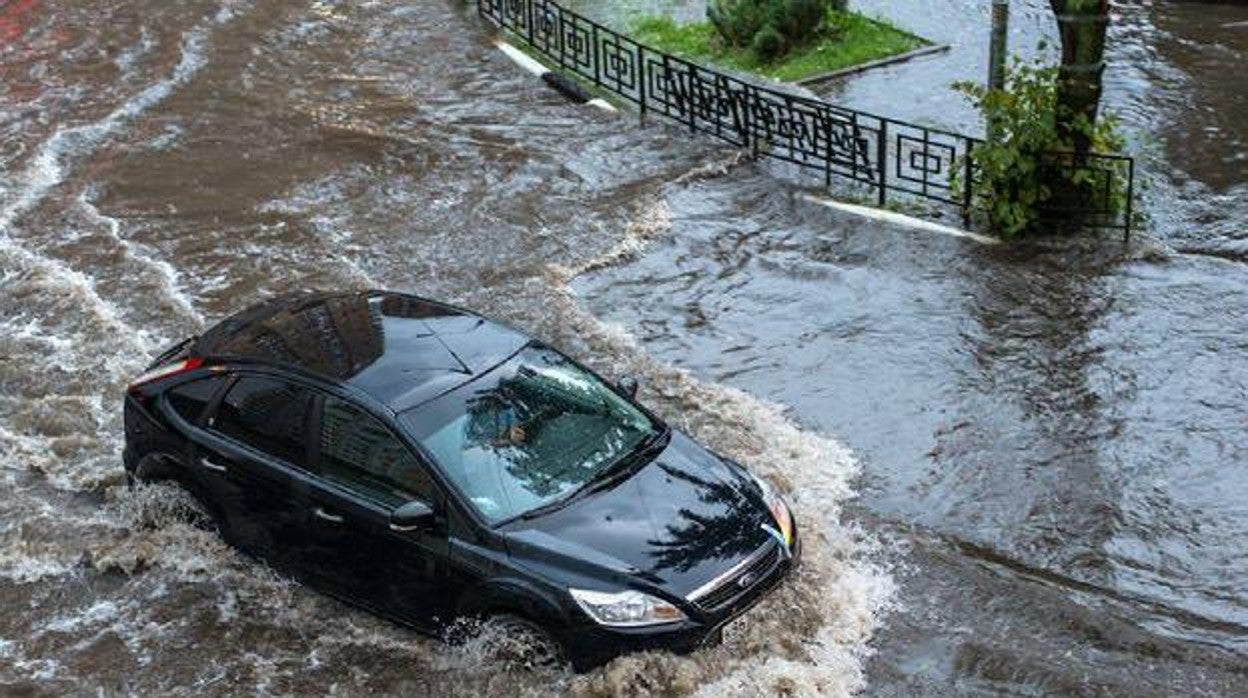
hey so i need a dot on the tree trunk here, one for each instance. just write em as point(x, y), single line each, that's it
point(1082, 25)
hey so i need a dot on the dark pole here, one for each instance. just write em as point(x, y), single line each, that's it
point(998, 52)
point(1000, 43)
point(1082, 25)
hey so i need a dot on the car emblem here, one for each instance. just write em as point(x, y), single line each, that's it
point(745, 580)
point(784, 546)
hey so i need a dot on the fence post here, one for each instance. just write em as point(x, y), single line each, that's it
point(560, 31)
point(641, 80)
point(827, 157)
point(1126, 234)
point(689, 99)
point(968, 183)
point(529, 10)
point(593, 40)
point(881, 154)
point(667, 81)
point(747, 133)
point(856, 131)
point(749, 120)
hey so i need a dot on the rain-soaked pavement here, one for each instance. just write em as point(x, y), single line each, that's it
point(1046, 439)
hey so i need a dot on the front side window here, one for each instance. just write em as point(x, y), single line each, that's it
point(528, 433)
point(361, 454)
point(267, 414)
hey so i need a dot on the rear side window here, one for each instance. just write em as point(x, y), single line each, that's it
point(362, 455)
point(190, 399)
point(267, 414)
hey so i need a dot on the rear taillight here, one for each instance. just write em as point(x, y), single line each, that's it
point(166, 371)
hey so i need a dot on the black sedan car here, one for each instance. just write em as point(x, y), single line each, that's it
point(428, 464)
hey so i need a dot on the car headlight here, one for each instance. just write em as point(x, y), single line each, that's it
point(779, 510)
point(626, 609)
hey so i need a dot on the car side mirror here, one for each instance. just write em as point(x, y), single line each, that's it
point(628, 385)
point(413, 516)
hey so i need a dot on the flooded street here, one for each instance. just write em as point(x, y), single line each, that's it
point(1045, 493)
point(165, 165)
point(1054, 433)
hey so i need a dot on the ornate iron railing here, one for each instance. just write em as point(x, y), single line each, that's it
point(885, 155)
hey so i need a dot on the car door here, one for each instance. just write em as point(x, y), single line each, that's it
point(365, 471)
point(252, 449)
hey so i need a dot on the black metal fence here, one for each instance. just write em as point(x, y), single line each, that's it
point(885, 155)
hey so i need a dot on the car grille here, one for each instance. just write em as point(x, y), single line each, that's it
point(740, 582)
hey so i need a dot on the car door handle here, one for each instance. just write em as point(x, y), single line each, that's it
point(326, 516)
point(212, 466)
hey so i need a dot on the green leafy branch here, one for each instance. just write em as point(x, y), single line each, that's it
point(1026, 171)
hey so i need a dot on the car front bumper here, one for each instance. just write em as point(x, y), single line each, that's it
point(590, 645)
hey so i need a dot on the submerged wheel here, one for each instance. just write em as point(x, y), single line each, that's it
point(521, 643)
point(190, 508)
point(164, 498)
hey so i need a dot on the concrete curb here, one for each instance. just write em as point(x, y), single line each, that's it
point(558, 82)
point(901, 219)
point(855, 69)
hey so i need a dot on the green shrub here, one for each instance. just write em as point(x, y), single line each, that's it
point(737, 21)
point(768, 45)
point(797, 20)
point(1017, 177)
point(769, 27)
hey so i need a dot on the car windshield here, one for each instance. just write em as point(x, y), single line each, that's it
point(528, 433)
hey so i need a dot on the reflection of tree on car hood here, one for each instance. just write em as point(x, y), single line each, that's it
point(700, 536)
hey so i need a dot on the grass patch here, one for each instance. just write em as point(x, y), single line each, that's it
point(848, 39)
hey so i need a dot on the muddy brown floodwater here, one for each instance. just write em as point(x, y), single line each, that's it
point(1045, 494)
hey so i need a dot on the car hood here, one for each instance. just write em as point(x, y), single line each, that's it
point(677, 522)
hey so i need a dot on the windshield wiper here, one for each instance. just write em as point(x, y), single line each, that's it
point(607, 476)
point(618, 471)
point(653, 444)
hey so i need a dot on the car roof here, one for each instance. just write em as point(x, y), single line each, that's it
point(399, 349)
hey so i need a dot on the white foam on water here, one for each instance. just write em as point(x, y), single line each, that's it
point(167, 138)
point(66, 356)
point(25, 567)
point(59, 320)
point(716, 168)
point(169, 278)
point(41, 670)
point(53, 162)
point(51, 165)
point(163, 531)
point(97, 613)
point(28, 330)
point(62, 437)
point(127, 59)
point(654, 220)
point(47, 278)
point(335, 231)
